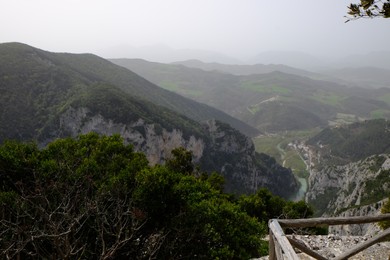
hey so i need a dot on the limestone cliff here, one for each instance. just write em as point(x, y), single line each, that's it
point(333, 189)
point(222, 149)
point(369, 229)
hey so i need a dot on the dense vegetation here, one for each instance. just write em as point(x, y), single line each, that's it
point(94, 197)
point(354, 142)
point(385, 210)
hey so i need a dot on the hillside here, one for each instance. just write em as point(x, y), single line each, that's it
point(241, 70)
point(47, 95)
point(365, 77)
point(92, 69)
point(353, 142)
point(349, 166)
point(271, 102)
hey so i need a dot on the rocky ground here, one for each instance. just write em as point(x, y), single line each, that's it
point(331, 246)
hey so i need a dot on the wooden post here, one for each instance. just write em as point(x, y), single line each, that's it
point(281, 241)
point(271, 245)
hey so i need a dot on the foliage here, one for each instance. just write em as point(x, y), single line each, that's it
point(369, 9)
point(94, 197)
point(384, 210)
point(264, 206)
point(356, 141)
point(182, 161)
point(376, 188)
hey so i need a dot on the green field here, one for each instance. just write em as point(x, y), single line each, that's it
point(328, 98)
point(277, 147)
point(174, 87)
point(266, 88)
point(343, 119)
point(385, 98)
point(380, 113)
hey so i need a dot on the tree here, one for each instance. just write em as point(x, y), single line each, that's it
point(181, 161)
point(369, 9)
point(70, 200)
point(94, 197)
point(384, 210)
point(264, 206)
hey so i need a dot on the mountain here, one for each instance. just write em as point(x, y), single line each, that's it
point(352, 142)
point(365, 77)
point(378, 59)
point(240, 70)
point(349, 166)
point(271, 102)
point(295, 59)
point(49, 95)
point(165, 54)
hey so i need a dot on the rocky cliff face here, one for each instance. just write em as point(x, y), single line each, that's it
point(369, 229)
point(223, 149)
point(332, 189)
point(157, 144)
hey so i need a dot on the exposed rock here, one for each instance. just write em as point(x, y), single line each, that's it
point(156, 146)
point(333, 189)
point(222, 149)
point(369, 229)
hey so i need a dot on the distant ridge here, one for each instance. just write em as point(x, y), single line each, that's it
point(246, 69)
point(271, 102)
point(294, 59)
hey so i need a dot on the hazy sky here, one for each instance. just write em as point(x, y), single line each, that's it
point(238, 28)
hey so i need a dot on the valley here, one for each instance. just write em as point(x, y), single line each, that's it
point(46, 96)
point(273, 99)
point(194, 129)
point(287, 148)
point(288, 106)
point(283, 120)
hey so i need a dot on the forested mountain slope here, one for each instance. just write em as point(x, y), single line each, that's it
point(47, 95)
point(88, 68)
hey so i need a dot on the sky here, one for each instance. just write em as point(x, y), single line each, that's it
point(236, 28)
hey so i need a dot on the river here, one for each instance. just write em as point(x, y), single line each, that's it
point(300, 195)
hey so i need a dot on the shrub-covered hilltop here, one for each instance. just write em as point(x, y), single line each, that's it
point(95, 197)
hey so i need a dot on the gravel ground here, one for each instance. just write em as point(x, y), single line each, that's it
point(331, 246)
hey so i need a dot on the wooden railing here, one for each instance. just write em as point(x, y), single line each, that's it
point(282, 247)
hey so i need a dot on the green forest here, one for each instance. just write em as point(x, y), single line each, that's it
point(94, 197)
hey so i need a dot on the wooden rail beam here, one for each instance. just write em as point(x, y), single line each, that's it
point(298, 244)
point(312, 222)
point(380, 237)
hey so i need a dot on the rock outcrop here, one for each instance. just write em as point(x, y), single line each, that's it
point(369, 229)
point(332, 189)
point(222, 149)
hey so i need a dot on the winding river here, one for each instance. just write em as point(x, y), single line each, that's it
point(300, 195)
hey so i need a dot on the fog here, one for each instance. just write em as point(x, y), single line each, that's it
point(236, 30)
